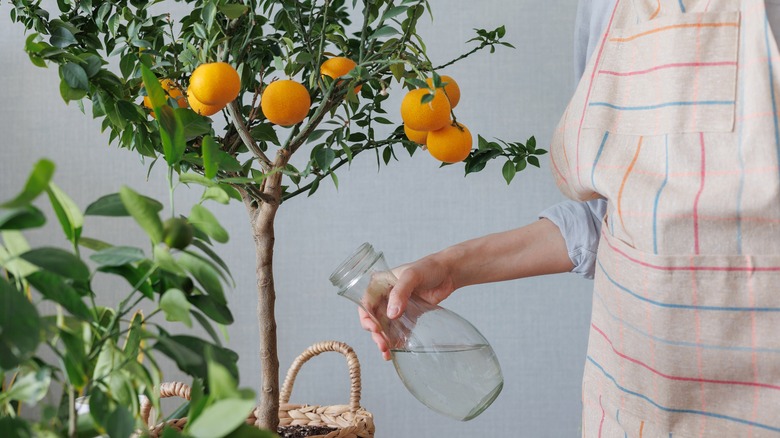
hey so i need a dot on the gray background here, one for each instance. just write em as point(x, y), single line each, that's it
point(537, 326)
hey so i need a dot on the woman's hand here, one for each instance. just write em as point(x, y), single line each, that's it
point(427, 278)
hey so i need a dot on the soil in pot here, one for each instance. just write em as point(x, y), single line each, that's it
point(303, 431)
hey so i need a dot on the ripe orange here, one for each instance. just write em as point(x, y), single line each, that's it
point(337, 67)
point(418, 137)
point(171, 90)
point(450, 144)
point(215, 83)
point(285, 102)
point(425, 116)
point(452, 90)
point(201, 108)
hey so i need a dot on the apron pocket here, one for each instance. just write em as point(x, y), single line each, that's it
point(673, 74)
point(688, 342)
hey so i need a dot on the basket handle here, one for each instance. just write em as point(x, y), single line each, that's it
point(167, 389)
point(352, 363)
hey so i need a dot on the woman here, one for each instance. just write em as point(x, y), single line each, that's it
point(673, 131)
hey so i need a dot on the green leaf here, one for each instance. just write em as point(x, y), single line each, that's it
point(220, 418)
point(189, 354)
point(194, 124)
point(206, 274)
point(212, 255)
point(111, 205)
point(165, 260)
point(210, 150)
point(20, 327)
point(15, 427)
point(266, 132)
point(171, 134)
point(233, 11)
point(135, 335)
point(54, 289)
point(176, 307)
point(202, 219)
point(30, 388)
point(383, 32)
point(216, 193)
point(15, 244)
point(37, 182)
point(247, 431)
point(67, 212)
point(74, 358)
point(58, 261)
point(75, 76)
point(23, 218)
point(206, 326)
point(324, 157)
point(195, 178)
point(509, 171)
point(393, 12)
point(144, 212)
point(117, 256)
point(120, 423)
point(99, 406)
point(219, 313)
point(153, 88)
point(532, 160)
point(62, 37)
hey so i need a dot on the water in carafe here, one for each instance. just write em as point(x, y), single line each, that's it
point(441, 358)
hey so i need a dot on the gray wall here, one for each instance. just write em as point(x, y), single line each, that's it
point(411, 208)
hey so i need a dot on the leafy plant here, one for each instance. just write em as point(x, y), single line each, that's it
point(111, 54)
point(106, 357)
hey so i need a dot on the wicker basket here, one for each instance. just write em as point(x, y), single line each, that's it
point(348, 421)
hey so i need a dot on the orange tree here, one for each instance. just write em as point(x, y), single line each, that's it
point(245, 62)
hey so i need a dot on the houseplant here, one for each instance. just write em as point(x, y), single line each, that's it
point(103, 358)
point(264, 41)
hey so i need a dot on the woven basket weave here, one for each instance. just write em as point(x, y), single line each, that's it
point(347, 421)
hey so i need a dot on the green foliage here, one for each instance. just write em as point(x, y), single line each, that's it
point(107, 355)
point(111, 54)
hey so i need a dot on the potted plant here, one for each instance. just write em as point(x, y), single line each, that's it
point(234, 89)
point(103, 359)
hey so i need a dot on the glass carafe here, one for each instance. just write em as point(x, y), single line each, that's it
point(442, 359)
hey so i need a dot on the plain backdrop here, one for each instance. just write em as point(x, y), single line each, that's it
point(538, 327)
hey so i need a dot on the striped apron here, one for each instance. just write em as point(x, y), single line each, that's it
point(675, 124)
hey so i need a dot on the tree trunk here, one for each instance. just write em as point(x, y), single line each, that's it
point(262, 215)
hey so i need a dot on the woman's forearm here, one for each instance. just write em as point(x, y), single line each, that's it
point(535, 249)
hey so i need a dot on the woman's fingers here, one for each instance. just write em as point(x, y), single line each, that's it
point(400, 293)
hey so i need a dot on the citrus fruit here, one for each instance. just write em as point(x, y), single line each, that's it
point(201, 108)
point(452, 90)
point(171, 90)
point(428, 116)
point(215, 83)
point(450, 144)
point(418, 137)
point(177, 233)
point(337, 67)
point(285, 102)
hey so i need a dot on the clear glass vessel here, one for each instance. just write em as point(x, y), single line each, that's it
point(442, 359)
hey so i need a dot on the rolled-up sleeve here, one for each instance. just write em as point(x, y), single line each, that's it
point(580, 225)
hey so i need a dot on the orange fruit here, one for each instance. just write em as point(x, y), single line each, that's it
point(201, 108)
point(171, 90)
point(450, 144)
point(418, 137)
point(452, 90)
point(425, 116)
point(215, 83)
point(285, 102)
point(337, 67)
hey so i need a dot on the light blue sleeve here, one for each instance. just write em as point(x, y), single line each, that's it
point(580, 225)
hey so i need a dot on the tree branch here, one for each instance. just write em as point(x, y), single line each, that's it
point(243, 132)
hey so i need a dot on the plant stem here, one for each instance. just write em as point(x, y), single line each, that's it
point(238, 121)
point(363, 32)
point(170, 191)
point(72, 433)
